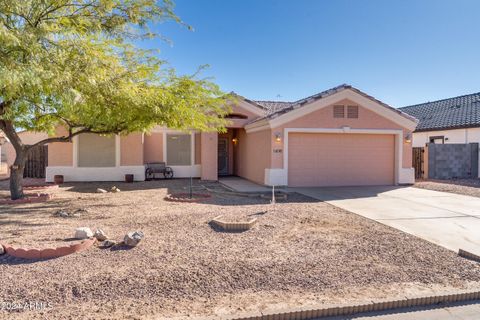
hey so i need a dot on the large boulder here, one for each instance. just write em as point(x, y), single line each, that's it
point(83, 233)
point(132, 239)
point(100, 235)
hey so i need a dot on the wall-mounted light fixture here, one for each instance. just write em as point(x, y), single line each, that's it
point(235, 140)
point(278, 137)
point(408, 138)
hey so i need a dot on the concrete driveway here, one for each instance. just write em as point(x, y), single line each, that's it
point(447, 219)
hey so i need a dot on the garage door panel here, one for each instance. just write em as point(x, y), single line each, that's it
point(319, 159)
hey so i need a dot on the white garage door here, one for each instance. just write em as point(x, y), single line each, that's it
point(324, 159)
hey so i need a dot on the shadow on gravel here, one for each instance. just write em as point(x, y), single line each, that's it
point(221, 230)
point(13, 261)
point(90, 187)
point(21, 223)
point(220, 195)
point(261, 213)
point(16, 209)
point(120, 247)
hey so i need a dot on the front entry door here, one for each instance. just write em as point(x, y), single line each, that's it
point(222, 156)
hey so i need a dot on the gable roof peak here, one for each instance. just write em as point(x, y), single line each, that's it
point(289, 106)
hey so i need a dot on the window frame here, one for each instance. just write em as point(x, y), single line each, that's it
point(76, 153)
point(192, 147)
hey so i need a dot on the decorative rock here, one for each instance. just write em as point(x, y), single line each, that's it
point(100, 235)
point(2, 250)
point(108, 244)
point(83, 233)
point(99, 190)
point(78, 213)
point(114, 189)
point(133, 238)
point(61, 213)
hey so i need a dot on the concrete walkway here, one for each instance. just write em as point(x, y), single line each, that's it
point(242, 185)
point(447, 219)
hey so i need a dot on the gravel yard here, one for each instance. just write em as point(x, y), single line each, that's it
point(300, 253)
point(468, 187)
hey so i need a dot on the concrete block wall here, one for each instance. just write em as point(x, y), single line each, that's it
point(447, 161)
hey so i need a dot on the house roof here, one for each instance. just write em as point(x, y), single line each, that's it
point(452, 113)
point(273, 106)
point(275, 109)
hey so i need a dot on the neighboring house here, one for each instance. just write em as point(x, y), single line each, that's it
point(453, 120)
point(27, 137)
point(339, 137)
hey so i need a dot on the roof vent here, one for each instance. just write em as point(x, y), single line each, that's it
point(455, 106)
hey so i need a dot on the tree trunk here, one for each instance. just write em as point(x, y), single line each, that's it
point(16, 176)
point(16, 170)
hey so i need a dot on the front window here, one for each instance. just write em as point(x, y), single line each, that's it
point(96, 151)
point(179, 150)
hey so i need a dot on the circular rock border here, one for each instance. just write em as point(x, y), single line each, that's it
point(48, 253)
point(40, 186)
point(238, 226)
point(185, 197)
point(29, 198)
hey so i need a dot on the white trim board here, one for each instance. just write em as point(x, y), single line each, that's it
point(95, 174)
point(402, 175)
point(114, 173)
point(194, 171)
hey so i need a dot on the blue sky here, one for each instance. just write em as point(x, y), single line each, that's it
point(401, 52)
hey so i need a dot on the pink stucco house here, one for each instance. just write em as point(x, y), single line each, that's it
point(339, 137)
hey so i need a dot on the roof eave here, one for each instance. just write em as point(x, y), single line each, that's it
point(448, 128)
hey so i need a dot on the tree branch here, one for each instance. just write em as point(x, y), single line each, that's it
point(68, 138)
point(9, 130)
